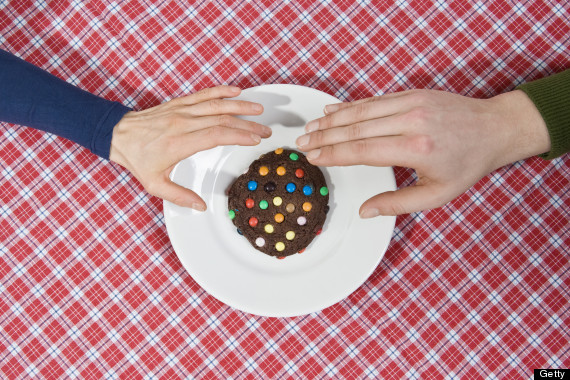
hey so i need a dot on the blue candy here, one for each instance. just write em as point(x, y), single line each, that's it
point(290, 187)
point(252, 185)
point(307, 190)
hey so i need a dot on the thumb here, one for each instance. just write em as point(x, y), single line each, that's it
point(403, 201)
point(179, 195)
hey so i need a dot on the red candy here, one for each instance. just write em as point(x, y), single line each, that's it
point(301, 251)
point(299, 173)
point(253, 221)
point(319, 231)
point(249, 203)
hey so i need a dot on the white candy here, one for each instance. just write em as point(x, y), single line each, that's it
point(301, 220)
point(260, 242)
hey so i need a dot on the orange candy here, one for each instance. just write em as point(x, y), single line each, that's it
point(263, 171)
point(307, 206)
point(281, 170)
point(279, 218)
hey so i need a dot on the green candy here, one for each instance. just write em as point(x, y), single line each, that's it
point(263, 204)
point(232, 214)
point(324, 191)
point(294, 156)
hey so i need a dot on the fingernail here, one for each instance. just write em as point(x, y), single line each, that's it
point(256, 138)
point(198, 207)
point(331, 108)
point(369, 213)
point(313, 154)
point(235, 90)
point(312, 126)
point(303, 140)
point(268, 131)
point(257, 107)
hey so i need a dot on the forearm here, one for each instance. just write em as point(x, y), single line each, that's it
point(32, 97)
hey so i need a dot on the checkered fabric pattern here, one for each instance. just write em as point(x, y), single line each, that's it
point(90, 286)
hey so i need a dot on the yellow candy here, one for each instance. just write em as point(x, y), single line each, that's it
point(281, 170)
point(277, 201)
point(279, 246)
point(307, 206)
point(269, 228)
point(263, 171)
point(279, 218)
point(278, 150)
point(290, 235)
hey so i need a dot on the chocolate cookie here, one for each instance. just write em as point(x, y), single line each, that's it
point(280, 203)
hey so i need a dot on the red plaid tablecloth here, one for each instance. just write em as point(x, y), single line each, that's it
point(91, 288)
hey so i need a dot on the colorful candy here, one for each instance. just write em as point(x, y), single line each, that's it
point(324, 191)
point(260, 242)
point(294, 156)
point(239, 231)
point(253, 221)
point(277, 201)
point(280, 246)
point(232, 214)
point(278, 150)
point(301, 220)
point(279, 218)
point(291, 187)
point(307, 206)
point(270, 186)
point(263, 171)
point(299, 173)
point(281, 170)
point(307, 190)
point(269, 228)
point(249, 203)
point(252, 185)
point(263, 204)
point(290, 207)
point(290, 235)
point(319, 231)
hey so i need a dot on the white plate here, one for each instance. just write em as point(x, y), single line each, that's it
point(334, 265)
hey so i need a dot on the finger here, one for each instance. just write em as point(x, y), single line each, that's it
point(224, 107)
point(376, 151)
point(357, 113)
point(387, 126)
point(179, 195)
point(330, 108)
point(206, 94)
point(404, 201)
point(204, 139)
point(193, 124)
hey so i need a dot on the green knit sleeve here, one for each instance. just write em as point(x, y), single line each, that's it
point(551, 96)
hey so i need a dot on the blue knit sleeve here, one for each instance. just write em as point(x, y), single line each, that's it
point(32, 97)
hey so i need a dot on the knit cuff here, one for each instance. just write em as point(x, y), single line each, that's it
point(551, 96)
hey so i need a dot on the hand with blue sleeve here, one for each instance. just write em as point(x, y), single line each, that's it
point(149, 143)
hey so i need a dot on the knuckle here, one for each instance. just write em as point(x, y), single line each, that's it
point(325, 122)
point(216, 105)
point(421, 144)
point(215, 132)
point(225, 120)
point(359, 147)
point(317, 138)
point(355, 131)
point(151, 187)
point(360, 111)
